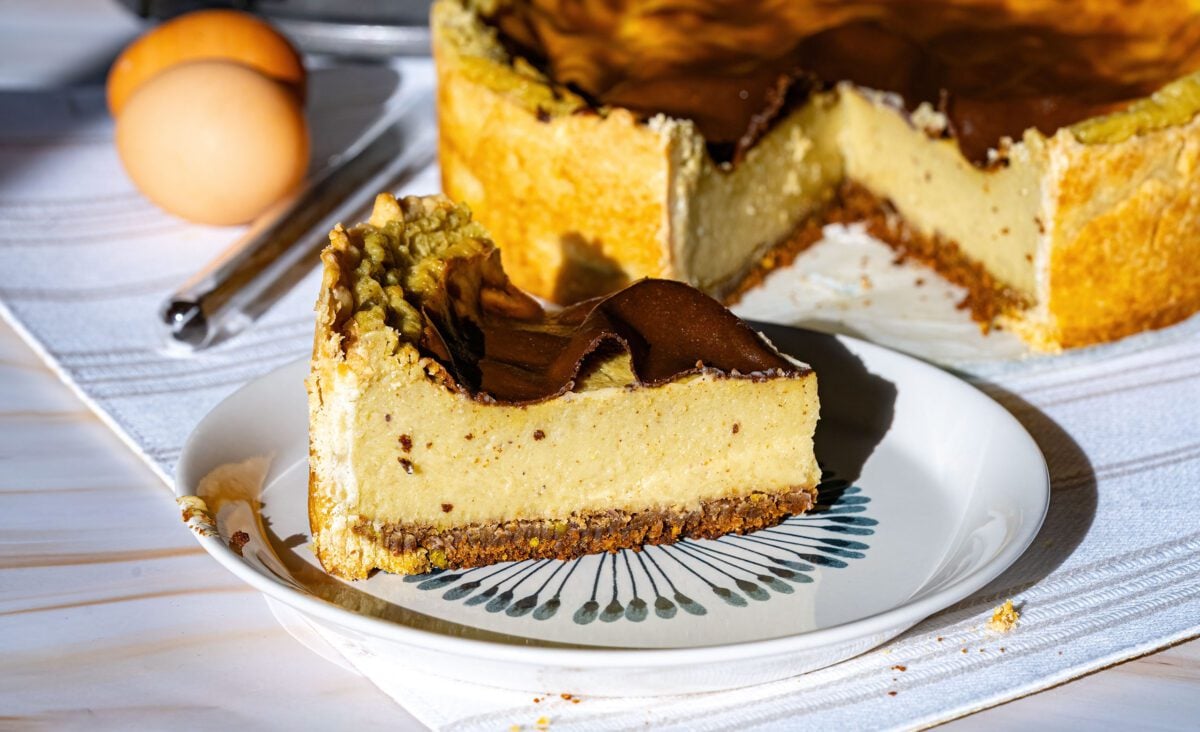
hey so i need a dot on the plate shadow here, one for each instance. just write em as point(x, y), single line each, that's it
point(857, 407)
point(1072, 509)
point(1073, 496)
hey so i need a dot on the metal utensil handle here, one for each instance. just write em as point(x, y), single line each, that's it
point(248, 276)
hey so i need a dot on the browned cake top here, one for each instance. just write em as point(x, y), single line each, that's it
point(994, 67)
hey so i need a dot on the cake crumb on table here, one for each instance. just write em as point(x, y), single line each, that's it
point(238, 541)
point(1004, 618)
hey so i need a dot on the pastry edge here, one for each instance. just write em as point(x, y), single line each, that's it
point(499, 141)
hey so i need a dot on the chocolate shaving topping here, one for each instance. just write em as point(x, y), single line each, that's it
point(669, 330)
point(1006, 66)
point(790, 90)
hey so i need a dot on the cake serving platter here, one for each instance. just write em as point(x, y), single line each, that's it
point(930, 491)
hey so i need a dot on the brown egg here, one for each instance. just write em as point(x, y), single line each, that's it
point(214, 142)
point(204, 35)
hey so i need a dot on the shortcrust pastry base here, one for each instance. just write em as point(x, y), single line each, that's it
point(415, 549)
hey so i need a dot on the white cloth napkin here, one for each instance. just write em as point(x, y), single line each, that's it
point(1115, 573)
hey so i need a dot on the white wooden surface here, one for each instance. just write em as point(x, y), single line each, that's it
point(111, 617)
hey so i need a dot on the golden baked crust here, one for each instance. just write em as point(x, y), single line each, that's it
point(1115, 198)
point(583, 200)
point(589, 220)
point(1124, 237)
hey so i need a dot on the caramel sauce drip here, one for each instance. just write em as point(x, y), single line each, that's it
point(994, 67)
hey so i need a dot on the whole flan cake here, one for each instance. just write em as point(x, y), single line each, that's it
point(454, 422)
point(1042, 156)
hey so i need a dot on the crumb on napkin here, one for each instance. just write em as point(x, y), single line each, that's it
point(1004, 618)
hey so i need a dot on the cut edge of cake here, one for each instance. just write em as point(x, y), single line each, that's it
point(400, 455)
point(1102, 213)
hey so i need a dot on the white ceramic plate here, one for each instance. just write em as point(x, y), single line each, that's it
point(931, 491)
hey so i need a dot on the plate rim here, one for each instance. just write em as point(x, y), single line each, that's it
point(889, 622)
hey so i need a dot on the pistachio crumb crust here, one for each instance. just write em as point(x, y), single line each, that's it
point(429, 547)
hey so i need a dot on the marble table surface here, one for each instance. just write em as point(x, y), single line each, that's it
point(111, 617)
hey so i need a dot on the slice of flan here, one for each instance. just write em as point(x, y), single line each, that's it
point(1044, 157)
point(454, 422)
